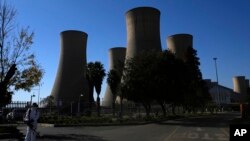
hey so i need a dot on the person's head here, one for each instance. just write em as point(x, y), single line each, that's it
point(34, 105)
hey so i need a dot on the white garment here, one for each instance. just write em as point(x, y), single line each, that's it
point(32, 114)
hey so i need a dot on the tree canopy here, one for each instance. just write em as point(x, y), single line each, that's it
point(18, 66)
point(95, 76)
point(163, 78)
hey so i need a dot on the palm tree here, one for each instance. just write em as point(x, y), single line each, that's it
point(95, 75)
point(113, 80)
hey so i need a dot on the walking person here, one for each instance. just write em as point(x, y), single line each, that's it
point(31, 118)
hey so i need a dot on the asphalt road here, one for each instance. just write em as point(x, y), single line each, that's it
point(204, 128)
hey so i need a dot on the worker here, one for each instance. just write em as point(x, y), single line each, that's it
point(31, 117)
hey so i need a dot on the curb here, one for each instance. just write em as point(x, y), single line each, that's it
point(93, 125)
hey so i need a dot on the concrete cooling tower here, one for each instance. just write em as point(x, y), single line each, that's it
point(143, 31)
point(240, 87)
point(116, 60)
point(179, 43)
point(239, 84)
point(71, 80)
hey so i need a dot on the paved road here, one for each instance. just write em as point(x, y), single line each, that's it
point(205, 128)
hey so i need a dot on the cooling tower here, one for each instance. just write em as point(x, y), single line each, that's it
point(71, 80)
point(239, 84)
point(179, 43)
point(143, 31)
point(116, 61)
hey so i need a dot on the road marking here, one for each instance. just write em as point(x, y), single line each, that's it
point(193, 135)
point(221, 137)
point(171, 134)
point(206, 137)
point(224, 131)
point(199, 129)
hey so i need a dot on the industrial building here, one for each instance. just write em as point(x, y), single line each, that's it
point(143, 36)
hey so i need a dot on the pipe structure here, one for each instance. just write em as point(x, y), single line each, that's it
point(179, 43)
point(116, 61)
point(70, 80)
point(143, 31)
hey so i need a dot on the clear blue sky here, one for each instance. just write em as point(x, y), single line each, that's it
point(221, 28)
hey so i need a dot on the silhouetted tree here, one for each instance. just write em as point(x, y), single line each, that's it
point(197, 94)
point(138, 80)
point(166, 79)
point(48, 101)
point(114, 79)
point(18, 67)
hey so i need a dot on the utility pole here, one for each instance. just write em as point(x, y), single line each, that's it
point(217, 79)
point(31, 98)
point(39, 88)
point(79, 105)
point(38, 96)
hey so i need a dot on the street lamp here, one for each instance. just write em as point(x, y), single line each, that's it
point(79, 103)
point(31, 99)
point(39, 94)
point(217, 79)
point(71, 108)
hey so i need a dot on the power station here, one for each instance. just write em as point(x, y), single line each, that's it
point(143, 36)
point(70, 80)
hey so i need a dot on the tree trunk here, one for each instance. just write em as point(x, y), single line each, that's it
point(90, 99)
point(113, 106)
point(121, 107)
point(98, 106)
point(147, 107)
point(163, 109)
point(173, 109)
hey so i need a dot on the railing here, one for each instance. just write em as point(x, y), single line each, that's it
point(18, 104)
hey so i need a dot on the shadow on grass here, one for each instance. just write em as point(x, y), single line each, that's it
point(70, 137)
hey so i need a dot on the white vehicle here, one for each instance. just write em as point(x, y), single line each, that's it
point(16, 114)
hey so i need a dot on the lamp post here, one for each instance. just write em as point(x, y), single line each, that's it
point(71, 108)
point(38, 101)
point(217, 79)
point(31, 98)
point(79, 103)
point(38, 93)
